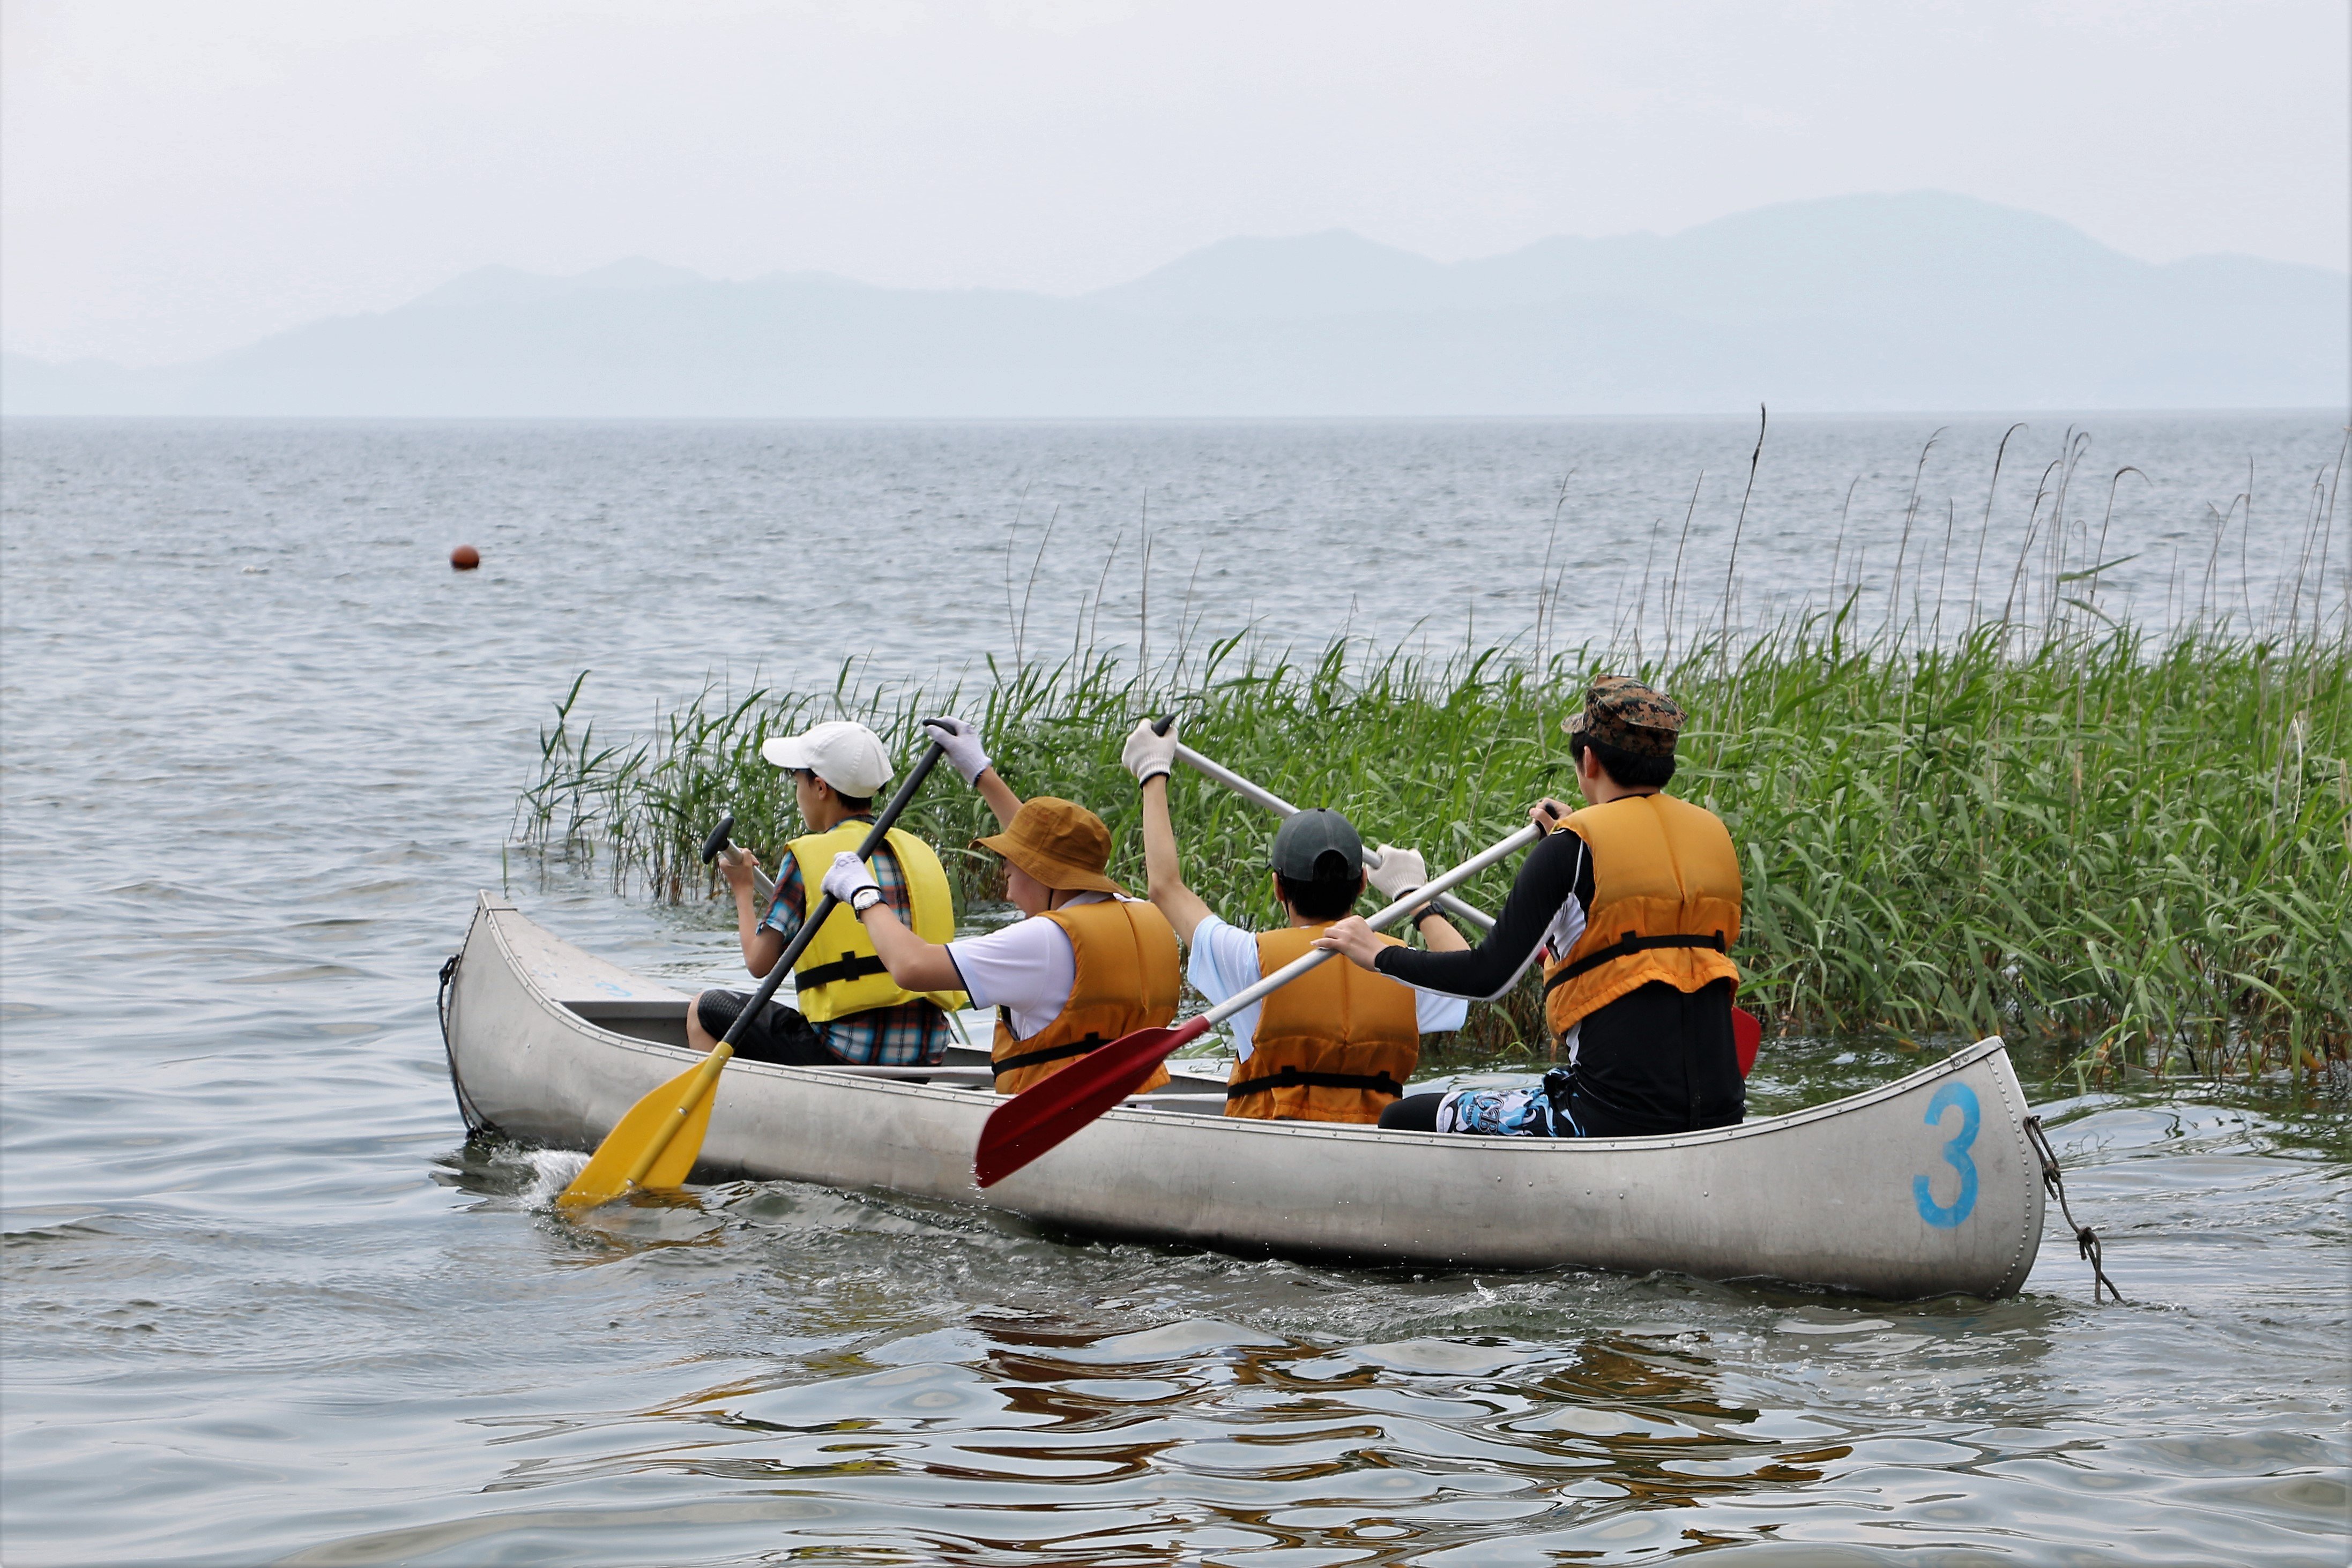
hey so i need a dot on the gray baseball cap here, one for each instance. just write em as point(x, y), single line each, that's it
point(1307, 837)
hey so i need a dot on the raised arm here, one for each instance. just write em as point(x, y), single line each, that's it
point(1163, 871)
point(1150, 755)
point(999, 795)
point(961, 741)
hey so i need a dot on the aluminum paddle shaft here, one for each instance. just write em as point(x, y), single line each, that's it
point(1257, 795)
point(1378, 922)
point(1046, 1114)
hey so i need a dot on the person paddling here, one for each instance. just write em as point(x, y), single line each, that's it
point(849, 1009)
point(1633, 903)
point(1087, 965)
point(1337, 1044)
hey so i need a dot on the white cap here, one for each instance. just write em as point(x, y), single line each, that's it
point(844, 754)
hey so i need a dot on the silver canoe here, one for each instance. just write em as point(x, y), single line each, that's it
point(1918, 1187)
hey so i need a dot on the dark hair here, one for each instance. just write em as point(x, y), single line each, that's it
point(1332, 894)
point(1628, 769)
point(854, 803)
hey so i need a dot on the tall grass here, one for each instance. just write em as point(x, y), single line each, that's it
point(2039, 821)
point(2144, 850)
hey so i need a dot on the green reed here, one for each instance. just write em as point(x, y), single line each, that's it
point(2140, 851)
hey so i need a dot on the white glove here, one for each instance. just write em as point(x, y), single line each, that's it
point(1148, 756)
point(848, 877)
point(1398, 873)
point(961, 741)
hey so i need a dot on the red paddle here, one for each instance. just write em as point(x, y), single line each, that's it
point(1041, 1115)
point(1044, 1113)
point(1746, 1038)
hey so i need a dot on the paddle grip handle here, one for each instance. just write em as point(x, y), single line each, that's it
point(723, 837)
point(825, 906)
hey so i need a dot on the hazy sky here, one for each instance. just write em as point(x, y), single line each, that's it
point(178, 178)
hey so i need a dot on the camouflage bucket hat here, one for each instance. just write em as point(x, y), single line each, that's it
point(1622, 712)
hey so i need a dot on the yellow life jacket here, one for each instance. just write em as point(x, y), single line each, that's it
point(1337, 1044)
point(1665, 906)
point(839, 973)
point(1127, 979)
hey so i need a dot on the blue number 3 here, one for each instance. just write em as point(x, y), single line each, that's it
point(1955, 1155)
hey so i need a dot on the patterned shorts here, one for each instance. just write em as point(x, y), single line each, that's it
point(1526, 1112)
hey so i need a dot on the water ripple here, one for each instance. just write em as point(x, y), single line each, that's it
point(266, 1302)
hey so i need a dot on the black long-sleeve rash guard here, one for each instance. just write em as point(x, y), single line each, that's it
point(1654, 1061)
point(1555, 872)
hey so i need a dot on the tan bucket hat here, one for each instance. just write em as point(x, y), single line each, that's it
point(1059, 842)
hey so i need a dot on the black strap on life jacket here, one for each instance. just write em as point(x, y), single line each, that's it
point(1050, 1053)
point(848, 966)
point(1626, 946)
point(1291, 1078)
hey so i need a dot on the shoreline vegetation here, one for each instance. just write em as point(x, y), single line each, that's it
point(2049, 823)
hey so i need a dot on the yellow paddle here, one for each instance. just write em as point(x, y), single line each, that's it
point(655, 1143)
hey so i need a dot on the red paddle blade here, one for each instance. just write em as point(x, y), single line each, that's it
point(1045, 1113)
point(1746, 1038)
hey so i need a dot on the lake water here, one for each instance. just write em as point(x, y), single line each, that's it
point(265, 1303)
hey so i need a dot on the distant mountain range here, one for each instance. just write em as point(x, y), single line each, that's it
point(1924, 301)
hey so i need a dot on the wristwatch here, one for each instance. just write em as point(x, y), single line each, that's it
point(864, 899)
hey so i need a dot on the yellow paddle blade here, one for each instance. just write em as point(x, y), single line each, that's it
point(676, 1163)
point(655, 1143)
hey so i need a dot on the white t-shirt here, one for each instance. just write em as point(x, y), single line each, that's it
point(1224, 964)
point(1027, 968)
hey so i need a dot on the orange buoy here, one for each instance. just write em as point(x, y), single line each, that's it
point(465, 558)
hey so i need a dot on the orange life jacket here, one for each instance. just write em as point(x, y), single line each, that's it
point(1127, 979)
point(1337, 1044)
point(1665, 906)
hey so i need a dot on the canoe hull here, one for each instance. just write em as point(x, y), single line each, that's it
point(1920, 1187)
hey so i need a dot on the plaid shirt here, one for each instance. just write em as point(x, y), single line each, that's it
point(912, 1034)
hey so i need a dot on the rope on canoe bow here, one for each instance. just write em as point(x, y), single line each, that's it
point(474, 1120)
point(2086, 1240)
